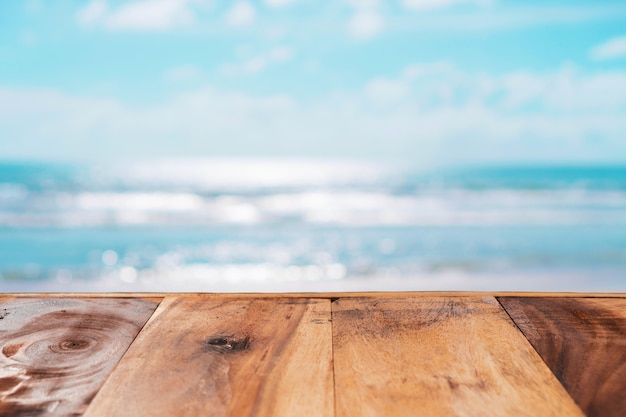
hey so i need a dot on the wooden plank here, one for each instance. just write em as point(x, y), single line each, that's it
point(583, 341)
point(204, 356)
point(438, 357)
point(56, 353)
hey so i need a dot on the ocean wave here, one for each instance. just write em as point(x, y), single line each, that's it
point(241, 175)
point(244, 224)
point(312, 278)
point(349, 207)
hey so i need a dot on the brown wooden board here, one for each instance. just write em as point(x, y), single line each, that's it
point(438, 356)
point(204, 356)
point(583, 341)
point(56, 353)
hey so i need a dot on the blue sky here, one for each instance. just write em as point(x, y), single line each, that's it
point(431, 81)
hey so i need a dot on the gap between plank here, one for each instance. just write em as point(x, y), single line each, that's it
point(332, 346)
point(519, 329)
point(106, 378)
point(537, 352)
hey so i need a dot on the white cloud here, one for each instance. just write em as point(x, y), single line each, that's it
point(427, 4)
point(138, 15)
point(566, 91)
point(612, 49)
point(384, 91)
point(367, 20)
point(152, 15)
point(365, 24)
point(422, 5)
point(364, 4)
point(255, 65)
point(92, 13)
point(241, 14)
point(506, 18)
point(280, 54)
point(564, 115)
point(277, 3)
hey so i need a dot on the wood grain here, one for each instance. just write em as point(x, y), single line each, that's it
point(56, 353)
point(438, 356)
point(203, 356)
point(583, 341)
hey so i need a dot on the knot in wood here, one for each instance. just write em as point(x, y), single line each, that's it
point(227, 343)
point(71, 345)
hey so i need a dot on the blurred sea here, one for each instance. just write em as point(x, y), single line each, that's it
point(309, 225)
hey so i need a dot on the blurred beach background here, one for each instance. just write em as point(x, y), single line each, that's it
point(296, 145)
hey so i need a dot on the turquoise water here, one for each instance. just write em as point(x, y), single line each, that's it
point(275, 225)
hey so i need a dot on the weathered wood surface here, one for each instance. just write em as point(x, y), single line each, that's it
point(438, 357)
point(204, 356)
point(259, 354)
point(56, 353)
point(583, 341)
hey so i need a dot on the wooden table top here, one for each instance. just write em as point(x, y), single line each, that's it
point(360, 354)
